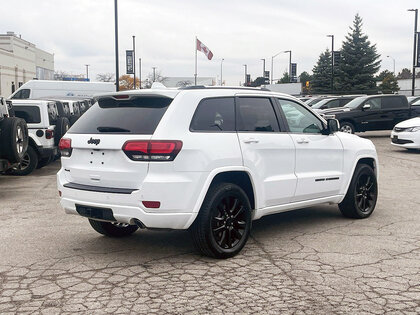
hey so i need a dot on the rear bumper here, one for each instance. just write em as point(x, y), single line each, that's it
point(175, 212)
point(47, 152)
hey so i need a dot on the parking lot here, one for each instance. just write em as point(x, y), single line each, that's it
point(311, 260)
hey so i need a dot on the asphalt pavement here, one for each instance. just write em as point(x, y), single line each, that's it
point(311, 261)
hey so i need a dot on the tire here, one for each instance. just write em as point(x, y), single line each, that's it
point(224, 214)
point(346, 127)
point(73, 119)
point(361, 197)
point(28, 164)
point(13, 139)
point(111, 229)
point(61, 127)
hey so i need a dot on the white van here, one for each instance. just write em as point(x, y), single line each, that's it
point(34, 89)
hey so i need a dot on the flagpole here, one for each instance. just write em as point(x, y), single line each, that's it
point(195, 49)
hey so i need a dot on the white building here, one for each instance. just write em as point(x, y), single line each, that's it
point(406, 85)
point(21, 61)
point(187, 81)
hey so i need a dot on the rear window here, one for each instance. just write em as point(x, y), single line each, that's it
point(139, 115)
point(30, 114)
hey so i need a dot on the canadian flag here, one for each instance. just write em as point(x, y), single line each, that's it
point(203, 48)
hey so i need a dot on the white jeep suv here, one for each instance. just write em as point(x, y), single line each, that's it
point(210, 160)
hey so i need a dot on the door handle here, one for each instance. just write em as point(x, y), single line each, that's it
point(251, 140)
point(302, 140)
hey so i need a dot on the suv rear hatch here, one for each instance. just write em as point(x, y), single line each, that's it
point(97, 139)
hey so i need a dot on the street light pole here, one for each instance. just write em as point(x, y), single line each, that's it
point(87, 71)
point(332, 62)
point(263, 60)
point(117, 72)
point(272, 67)
point(393, 60)
point(134, 61)
point(245, 75)
point(221, 72)
point(290, 64)
point(413, 84)
point(139, 73)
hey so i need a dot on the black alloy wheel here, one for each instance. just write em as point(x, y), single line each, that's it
point(365, 193)
point(229, 222)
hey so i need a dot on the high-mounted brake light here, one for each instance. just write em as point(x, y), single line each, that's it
point(65, 147)
point(152, 150)
point(121, 96)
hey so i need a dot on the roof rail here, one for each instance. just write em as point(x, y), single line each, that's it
point(199, 87)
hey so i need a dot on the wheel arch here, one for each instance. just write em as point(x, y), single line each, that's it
point(238, 175)
point(370, 160)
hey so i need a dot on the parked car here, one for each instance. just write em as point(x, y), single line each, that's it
point(406, 134)
point(46, 127)
point(34, 89)
point(333, 102)
point(374, 112)
point(13, 137)
point(209, 159)
point(313, 100)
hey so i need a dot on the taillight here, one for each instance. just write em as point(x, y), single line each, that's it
point(49, 134)
point(152, 150)
point(65, 147)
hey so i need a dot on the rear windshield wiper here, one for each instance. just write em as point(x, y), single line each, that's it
point(112, 129)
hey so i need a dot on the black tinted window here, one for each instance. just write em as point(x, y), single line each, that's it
point(393, 102)
point(22, 94)
point(139, 115)
point(344, 101)
point(333, 104)
point(30, 114)
point(256, 114)
point(215, 114)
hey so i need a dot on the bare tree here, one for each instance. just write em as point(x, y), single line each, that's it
point(106, 77)
point(184, 83)
point(158, 77)
point(59, 75)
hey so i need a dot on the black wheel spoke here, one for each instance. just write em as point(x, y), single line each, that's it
point(220, 228)
point(241, 209)
point(235, 203)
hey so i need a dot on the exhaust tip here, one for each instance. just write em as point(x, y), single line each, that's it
point(139, 223)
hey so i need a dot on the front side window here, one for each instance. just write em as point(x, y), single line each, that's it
point(299, 119)
point(375, 103)
point(256, 114)
point(214, 114)
point(22, 94)
point(31, 114)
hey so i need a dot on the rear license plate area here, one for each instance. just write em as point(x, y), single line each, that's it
point(95, 212)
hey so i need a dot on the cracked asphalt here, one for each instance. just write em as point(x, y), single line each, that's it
point(311, 261)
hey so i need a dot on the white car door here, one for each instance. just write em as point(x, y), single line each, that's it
point(319, 157)
point(267, 151)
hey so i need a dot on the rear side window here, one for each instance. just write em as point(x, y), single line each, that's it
point(393, 102)
point(344, 101)
point(256, 114)
point(333, 104)
point(30, 114)
point(139, 115)
point(214, 114)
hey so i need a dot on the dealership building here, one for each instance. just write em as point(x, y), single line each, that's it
point(21, 61)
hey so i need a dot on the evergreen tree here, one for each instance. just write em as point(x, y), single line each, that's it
point(321, 79)
point(389, 83)
point(383, 74)
point(359, 62)
point(405, 74)
point(285, 78)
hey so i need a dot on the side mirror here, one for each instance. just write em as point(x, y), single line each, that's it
point(366, 107)
point(333, 126)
